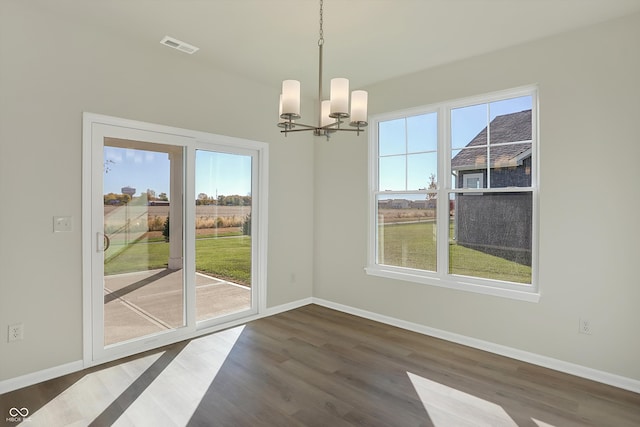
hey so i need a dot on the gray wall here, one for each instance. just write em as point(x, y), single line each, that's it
point(589, 232)
point(54, 67)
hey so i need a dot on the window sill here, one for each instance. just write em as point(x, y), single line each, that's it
point(465, 284)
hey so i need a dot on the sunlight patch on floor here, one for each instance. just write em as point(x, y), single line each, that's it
point(177, 392)
point(91, 394)
point(169, 396)
point(447, 406)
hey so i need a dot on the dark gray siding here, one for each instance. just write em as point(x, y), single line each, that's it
point(496, 223)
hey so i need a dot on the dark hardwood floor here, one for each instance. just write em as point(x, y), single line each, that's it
point(318, 367)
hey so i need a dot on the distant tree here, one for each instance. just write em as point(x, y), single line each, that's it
point(163, 197)
point(432, 186)
point(202, 199)
point(116, 199)
point(165, 229)
point(151, 194)
point(234, 200)
point(246, 225)
point(111, 199)
point(107, 165)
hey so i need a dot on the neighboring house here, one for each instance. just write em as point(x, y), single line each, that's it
point(419, 204)
point(400, 204)
point(496, 223)
point(424, 204)
point(384, 204)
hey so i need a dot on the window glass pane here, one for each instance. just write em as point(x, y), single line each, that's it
point(422, 133)
point(407, 231)
point(422, 171)
point(513, 127)
point(142, 262)
point(392, 137)
point(223, 234)
point(392, 173)
point(510, 165)
point(468, 126)
point(490, 236)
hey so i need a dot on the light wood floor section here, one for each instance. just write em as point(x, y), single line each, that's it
point(318, 367)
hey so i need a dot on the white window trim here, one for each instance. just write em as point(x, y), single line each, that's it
point(441, 278)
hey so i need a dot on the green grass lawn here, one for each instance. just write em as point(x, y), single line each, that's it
point(414, 246)
point(406, 245)
point(225, 258)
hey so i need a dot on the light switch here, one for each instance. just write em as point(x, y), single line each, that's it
point(61, 224)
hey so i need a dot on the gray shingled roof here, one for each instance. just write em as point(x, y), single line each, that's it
point(506, 128)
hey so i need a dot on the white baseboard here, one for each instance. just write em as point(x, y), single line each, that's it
point(39, 376)
point(286, 307)
point(525, 356)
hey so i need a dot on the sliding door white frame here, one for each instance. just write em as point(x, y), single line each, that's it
point(94, 127)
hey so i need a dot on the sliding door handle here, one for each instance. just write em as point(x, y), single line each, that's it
point(102, 242)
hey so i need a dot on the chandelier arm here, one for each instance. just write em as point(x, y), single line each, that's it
point(332, 126)
point(304, 126)
point(308, 128)
point(301, 130)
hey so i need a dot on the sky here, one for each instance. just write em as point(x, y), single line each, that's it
point(229, 174)
point(216, 173)
point(407, 150)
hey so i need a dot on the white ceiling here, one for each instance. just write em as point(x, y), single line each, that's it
point(365, 40)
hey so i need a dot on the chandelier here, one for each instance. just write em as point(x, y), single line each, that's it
point(332, 113)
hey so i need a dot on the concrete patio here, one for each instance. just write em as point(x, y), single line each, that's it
point(142, 303)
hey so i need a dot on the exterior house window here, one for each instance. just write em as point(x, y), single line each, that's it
point(453, 191)
point(472, 180)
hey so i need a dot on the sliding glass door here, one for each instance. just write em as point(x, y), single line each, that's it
point(172, 246)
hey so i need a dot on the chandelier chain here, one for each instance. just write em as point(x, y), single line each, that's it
point(321, 39)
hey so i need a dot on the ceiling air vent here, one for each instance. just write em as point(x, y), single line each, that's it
point(180, 45)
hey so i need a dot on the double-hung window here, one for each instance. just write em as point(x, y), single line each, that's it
point(453, 193)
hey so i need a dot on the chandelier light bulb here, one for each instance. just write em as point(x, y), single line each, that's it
point(290, 99)
point(359, 100)
point(339, 97)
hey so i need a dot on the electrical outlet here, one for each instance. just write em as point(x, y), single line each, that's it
point(585, 326)
point(16, 332)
